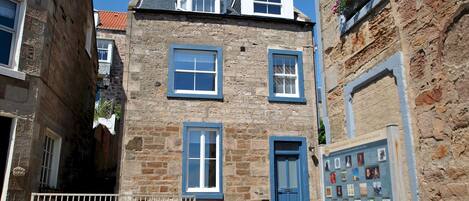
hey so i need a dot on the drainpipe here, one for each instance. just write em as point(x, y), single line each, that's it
point(319, 71)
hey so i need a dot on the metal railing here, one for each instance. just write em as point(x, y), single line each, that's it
point(107, 197)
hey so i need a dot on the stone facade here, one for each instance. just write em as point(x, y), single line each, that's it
point(56, 95)
point(152, 144)
point(433, 38)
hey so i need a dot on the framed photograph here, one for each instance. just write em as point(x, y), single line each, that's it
point(333, 177)
point(327, 165)
point(363, 190)
point(361, 159)
point(343, 176)
point(382, 154)
point(372, 172)
point(350, 190)
point(377, 189)
point(348, 161)
point(337, 163)
point(339, 191)
point(355, 174)
point(329, 191)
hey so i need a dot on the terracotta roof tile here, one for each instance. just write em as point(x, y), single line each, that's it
point(112, 20)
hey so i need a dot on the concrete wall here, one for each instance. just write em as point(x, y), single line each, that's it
point(58, 93)
point(152, 142)
point(431, 35)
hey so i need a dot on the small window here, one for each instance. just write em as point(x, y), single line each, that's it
point(268, 6)
point(8, 21)
point(206, 6)
point(286, 76)
point(50, 160)
point(104, 50)
point(195, 71)
point(202, 160)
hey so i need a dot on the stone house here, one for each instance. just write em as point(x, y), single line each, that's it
point(112, 48)
point(220, 101)
point(48, 67)
point(402, 63)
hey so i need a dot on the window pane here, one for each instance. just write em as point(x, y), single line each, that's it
point(275, 1)
point(293, 172)
point(290, 85)
point(290, 65)
point(287, 146)
point(184, 60)
point(278, 65)
point(260, 8)
point(210, 173)
point(194, 144)
point(103, 44)
point(205, 61)
point(7, 13)
point(210, 144)
point(274, 9)
point(102, 55)
point(209, 5)
point(203, 5)
point(184, 81)
point(205, 82)
point(194, 173)
point(278, 84)
point(5, 43)
point(282, 173)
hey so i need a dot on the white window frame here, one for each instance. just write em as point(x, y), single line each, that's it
point(215, 189)
point(51, 181)
point(286, 10)
point(268, 3)
point(11, 70)
point(297, 83)
point(11, 147)
point(179, 5)
point(89, 36)
point(108, 49)
point(215, 72)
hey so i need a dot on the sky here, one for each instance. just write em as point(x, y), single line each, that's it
point(121, 5)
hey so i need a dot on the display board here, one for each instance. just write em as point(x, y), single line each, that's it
point(360, 173)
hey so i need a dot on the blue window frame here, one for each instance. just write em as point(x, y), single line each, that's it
point(286, 82)
point(282, 149)
point(202, 154)
point(195, 71)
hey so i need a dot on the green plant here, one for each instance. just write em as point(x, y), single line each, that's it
point(322, 133)
point(339, 6)
point(106, 108)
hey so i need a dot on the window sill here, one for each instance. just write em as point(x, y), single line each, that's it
point(205, 195)
point(12, 73)
point(301, 100)
point(346, 25)
point(195, 96)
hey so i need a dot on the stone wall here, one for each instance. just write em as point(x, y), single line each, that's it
point(58, 94)
point(432, 36)
point(152, 145)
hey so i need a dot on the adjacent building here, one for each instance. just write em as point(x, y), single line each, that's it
point(400, 65)
point(48, 67)
point(220, 101)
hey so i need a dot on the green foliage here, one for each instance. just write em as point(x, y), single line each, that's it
point(322, 133)
point(106, 108)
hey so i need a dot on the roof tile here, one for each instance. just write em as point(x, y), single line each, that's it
point(112, 20)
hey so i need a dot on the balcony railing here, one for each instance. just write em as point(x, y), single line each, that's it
point(107, 197)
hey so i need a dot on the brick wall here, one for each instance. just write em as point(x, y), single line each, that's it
point(152, 142)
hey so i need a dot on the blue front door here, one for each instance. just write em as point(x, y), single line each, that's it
point(287, 177)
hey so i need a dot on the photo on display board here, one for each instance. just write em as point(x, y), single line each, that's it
point(348, 161)
point(377, 189)
point(333, 177)
point(339, 191)
point(327, 165)
point(363, 189)
point(355, 174)
point(372, 172)
point(337, 163)
point(350, 190)
point(361, 159)
point(329, 191)
point(343, 176)
point(382, 154)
